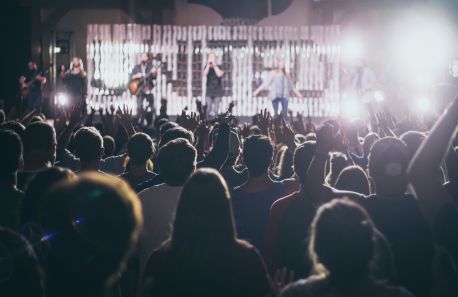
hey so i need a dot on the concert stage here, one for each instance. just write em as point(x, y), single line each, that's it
point(245, 53)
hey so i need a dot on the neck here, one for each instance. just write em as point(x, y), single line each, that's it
point(263, 179)
point(389, 193)
point(90, 165)
point(138, 169)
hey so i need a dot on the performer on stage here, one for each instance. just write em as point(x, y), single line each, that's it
point(31, 83)
point(280, 86)
point(75, 82)
point(146, 70)
point(214, 74)
point(364, 82)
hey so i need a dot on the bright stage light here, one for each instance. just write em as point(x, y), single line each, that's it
point(352, 48)
point(378, 96)
point(424, 45)
point(423, 105)
point(61, 99)
point(350, 109)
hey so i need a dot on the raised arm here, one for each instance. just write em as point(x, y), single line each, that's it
point(218, 154)
point(206, 70)
point(428, 158)
point(314, 184)
point(64, 138)
point(219, 72)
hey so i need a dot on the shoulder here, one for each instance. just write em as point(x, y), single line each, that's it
point(392, 290)
point(346, 194)
point(282, 203)
point(149, 192)
point(305, 287)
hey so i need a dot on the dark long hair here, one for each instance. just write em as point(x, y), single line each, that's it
point(203, 220)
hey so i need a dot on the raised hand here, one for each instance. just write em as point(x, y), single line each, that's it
point(282, 278)
point(189, 122)
point(245, 130)
point(231, 107)
point(288, 136)
point(203, 129)
point(124, 116)
point(264, 120)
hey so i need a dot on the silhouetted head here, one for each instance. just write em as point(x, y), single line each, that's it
point(368, 142)
point(353, 178)
point(177, 161)
point(342, 241)
point(175, 133)
point(388, 161)
point(204, 215)
point(10, 153)
point(88, 144)
point(257, 153)
point(17, 127)
point(140, 148)
point(338, 161)
point(303, 156)
point(91, 225)
point(109, 146)
point(39, 141)
point(413, 140)
point(39, 186)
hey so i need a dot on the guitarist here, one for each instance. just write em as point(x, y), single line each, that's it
point(31, 83)
point(145, 70)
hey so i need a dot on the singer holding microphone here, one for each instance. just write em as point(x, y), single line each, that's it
point(214, 74)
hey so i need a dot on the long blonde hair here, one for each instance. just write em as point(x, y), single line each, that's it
point(82, 72)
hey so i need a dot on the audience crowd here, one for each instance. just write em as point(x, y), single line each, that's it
point(104, 203)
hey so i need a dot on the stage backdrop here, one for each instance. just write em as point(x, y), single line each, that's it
point(246, 54)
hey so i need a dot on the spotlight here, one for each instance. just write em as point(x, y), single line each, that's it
point(57, 50)
point(423, 49)
point(350, 109)
point(378, 96)
point(352, 48)
point(423, 105)
point(61, 99)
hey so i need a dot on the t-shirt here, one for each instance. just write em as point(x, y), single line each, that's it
point(289, 228)
point(227, 271)
point(321, 287)
point(214, 84)
point(287, 236)
point(251, 213)
point(135, 180)
point(10, 207)
point(405, 228)
point(158, 205)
